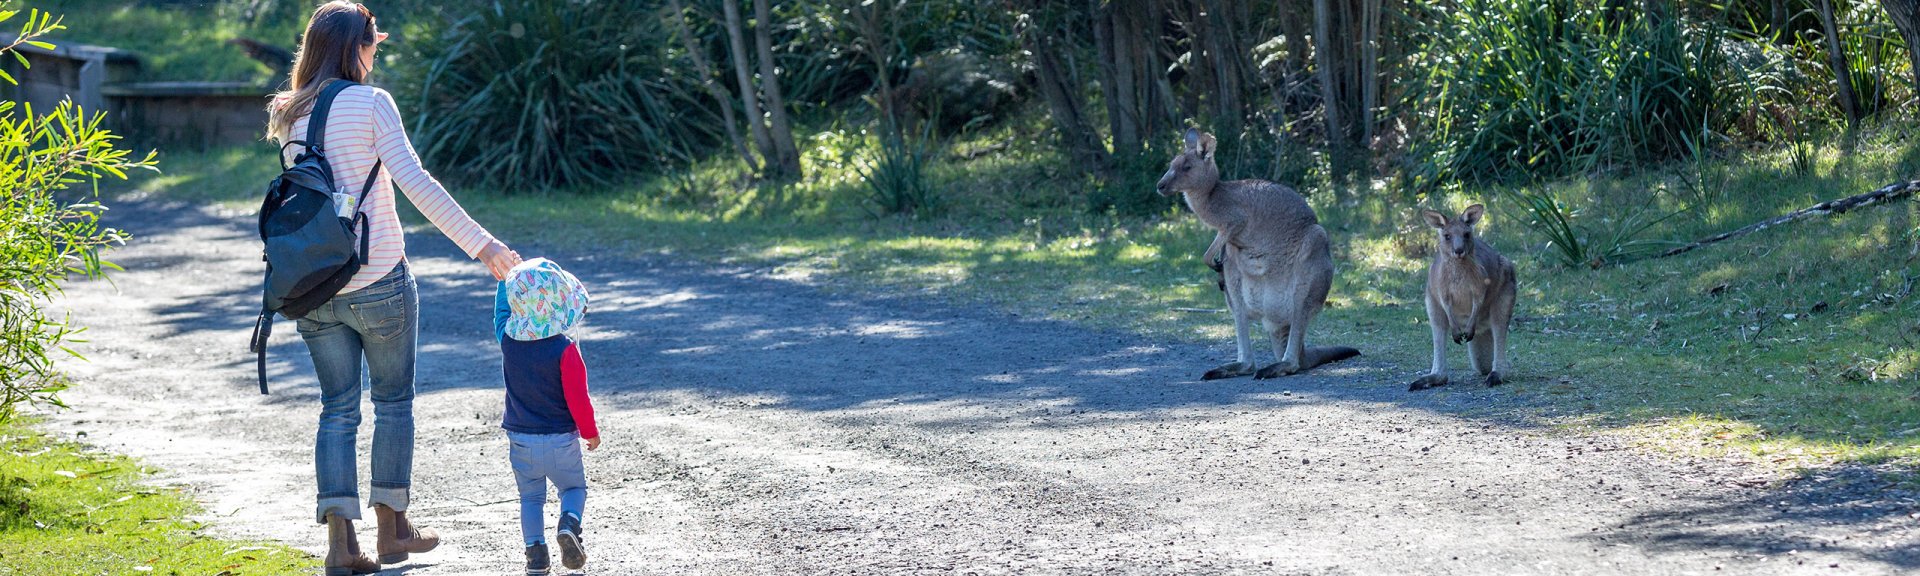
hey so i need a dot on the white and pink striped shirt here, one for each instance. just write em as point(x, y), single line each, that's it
point(364, 124)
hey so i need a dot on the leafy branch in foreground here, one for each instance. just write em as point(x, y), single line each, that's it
point(47, 232)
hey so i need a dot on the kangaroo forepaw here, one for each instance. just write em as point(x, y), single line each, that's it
point(1494, 379)
point(1463, 338)
point(1277, 370)
point(1230, 370)
point(1428, 381)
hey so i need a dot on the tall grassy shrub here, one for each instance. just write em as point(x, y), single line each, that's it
point(894, 172)
point(1531, 89)
point(1877, 59)
point(47, 230)
point(542, 95)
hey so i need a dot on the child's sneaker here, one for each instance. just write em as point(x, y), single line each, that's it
point(572, 555)
point(538, 563)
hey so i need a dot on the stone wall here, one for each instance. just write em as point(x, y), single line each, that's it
point(192, 114)
point(148, 114)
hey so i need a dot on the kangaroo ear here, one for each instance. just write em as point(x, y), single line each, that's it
point(1192, 140)
point(1434, 219)
point(1472, 214)
point(1206, 146)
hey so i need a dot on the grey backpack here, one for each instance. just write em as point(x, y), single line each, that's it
point(311, 250)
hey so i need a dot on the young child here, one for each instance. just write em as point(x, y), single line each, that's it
point(548, 413)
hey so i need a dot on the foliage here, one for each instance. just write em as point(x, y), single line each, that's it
point(1576, 241)
point(1518, 89)
point(46, 232)
point(1703, 180)
point(1129, 191)
point(541, 95)
point(895, 173)
point(1875, 55)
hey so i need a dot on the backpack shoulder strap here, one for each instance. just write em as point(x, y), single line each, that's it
point(317, 119)
point(262, 329)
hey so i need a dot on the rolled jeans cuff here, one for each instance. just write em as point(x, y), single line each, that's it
point(346, 507)
point(394, 497)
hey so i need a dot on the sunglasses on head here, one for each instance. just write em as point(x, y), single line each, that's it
point(378, 36)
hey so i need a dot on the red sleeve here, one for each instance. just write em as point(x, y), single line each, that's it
point(573, 383)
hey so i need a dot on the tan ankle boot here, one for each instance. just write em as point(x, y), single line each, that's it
point(343, 550)
point(398, 537)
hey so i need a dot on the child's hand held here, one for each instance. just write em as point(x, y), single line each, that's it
point(499, 259)
point(593, 443)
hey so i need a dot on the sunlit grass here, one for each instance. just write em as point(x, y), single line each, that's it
point(67, 510)
point(174, 42)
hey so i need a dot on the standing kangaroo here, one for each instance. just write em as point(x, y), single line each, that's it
point(1273, 255)
point(1469, 297)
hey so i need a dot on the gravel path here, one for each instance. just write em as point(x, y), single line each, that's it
point(756, 426)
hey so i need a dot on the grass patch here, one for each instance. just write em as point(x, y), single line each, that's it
point(1794, 346)
point(174, 41)
point(68, 510)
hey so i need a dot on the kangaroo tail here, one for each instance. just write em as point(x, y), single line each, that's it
point(1319, 355)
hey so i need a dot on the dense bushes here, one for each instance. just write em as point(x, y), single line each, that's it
point(47, 231)
point(538, 95)
point(1525, 89)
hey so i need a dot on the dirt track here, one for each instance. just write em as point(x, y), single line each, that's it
point(756, 426)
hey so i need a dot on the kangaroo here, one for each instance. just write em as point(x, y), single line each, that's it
point(1273, 256)
point(1470, 291)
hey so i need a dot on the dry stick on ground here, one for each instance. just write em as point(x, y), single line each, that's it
point(1885, 194)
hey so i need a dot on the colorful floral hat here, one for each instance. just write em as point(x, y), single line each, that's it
point(544, 299)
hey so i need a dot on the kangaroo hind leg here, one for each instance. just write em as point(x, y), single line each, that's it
point(1290, 344)
point(1482, 351)
point(1237, 304)
point(1437, 373)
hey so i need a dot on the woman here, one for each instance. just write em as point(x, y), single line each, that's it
point(375, 316)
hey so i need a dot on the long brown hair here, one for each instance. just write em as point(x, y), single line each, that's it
point(330, 50)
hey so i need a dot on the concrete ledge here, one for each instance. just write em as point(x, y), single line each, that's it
point(183, 89)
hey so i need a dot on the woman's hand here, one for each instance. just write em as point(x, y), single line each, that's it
point(593, 443)
point(499, 259)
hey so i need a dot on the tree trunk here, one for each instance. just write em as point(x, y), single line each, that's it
point(1199, 79)
point(1133, 63)
point(1346, 39)
point(719, 94)
point(737, 46)
point(875, 40)
point(785, 152)
point(1293, 26)
point(1162, 112)
point(1369, 64)
point(1113, 35)
point(1327, 55)
point(1842, 73)
point(1064, 103)
point(1906, 17)
point(1226, 59)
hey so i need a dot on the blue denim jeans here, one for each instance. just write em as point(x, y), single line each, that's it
point(379, 325)
point(541, 458)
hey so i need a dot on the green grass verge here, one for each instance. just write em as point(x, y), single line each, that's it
point(174, 42)
point(188, 40)
point(1724, 351)
point(65, 509)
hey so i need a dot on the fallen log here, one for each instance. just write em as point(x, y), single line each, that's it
point(1885, 194)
